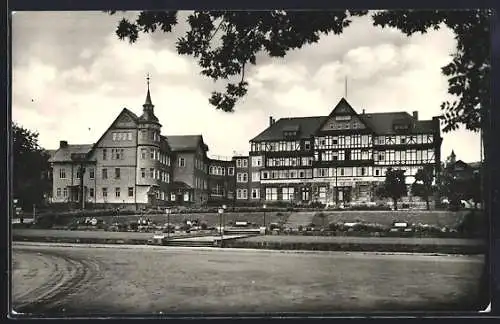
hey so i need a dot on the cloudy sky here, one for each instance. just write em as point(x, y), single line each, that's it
point(71, 73)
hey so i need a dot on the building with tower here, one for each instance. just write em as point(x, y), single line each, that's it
point(132, 164)
point(338, 158)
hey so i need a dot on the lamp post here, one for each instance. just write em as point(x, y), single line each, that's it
point(265, 228)
point(221, 213)
point(167, 211)
point(336, 189)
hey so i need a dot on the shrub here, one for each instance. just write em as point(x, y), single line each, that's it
point(301, 228)
point(203, 226)
point(472, 223)
point(317, 204)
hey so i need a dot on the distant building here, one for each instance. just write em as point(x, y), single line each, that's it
point(221, 181)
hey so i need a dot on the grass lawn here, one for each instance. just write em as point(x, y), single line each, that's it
point(183, 280)
point(439, 218)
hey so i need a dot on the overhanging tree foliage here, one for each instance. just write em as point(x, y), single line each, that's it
point(394, 186)
point(30, 167)
point(226, 42)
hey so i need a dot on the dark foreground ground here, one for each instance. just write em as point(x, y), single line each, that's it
point(99, 279)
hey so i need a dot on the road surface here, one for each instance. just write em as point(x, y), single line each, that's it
point(65, 279)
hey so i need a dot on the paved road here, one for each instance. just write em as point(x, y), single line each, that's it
point(77, 279)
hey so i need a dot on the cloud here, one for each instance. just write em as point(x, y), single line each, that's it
point(80, 75)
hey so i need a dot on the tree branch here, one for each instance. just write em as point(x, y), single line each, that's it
point(216, 30)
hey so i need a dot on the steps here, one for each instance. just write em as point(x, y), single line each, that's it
point(297, 219)
point(189, 243)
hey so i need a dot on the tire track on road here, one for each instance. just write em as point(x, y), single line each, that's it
point(70, 274)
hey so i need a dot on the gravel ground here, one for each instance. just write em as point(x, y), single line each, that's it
point(100, 279)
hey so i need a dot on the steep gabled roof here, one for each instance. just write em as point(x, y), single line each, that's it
point(306, 125)
point(64, 154)
point(342, 108)
point(185, 142)
point(124, 111)
point(382, 123)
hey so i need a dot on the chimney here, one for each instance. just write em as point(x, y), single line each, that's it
point(63, 144)
point(271, 120)
point(363, 111)
point(415, 115)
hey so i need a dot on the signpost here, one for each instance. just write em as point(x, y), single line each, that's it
point(264, 206)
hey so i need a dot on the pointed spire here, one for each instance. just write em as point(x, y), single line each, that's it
point(148, 95)
point(148, 114)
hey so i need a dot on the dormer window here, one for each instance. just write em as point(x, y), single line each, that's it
point(290, 133)
point(340, 118)
point(401, 127)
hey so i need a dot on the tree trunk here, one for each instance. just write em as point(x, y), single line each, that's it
point(395, 202)
point(427, 205)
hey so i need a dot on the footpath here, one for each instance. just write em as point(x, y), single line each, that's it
point(279, 242)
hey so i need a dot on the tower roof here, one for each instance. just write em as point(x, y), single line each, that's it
point(148, 114)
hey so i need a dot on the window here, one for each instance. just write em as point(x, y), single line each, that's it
point(341, 171)
point(117, 173)
point(241, 194)
point(271, 193)
point(131, 191)
point(62, 173)
point(322, 192)
point(244, 163)
point(104, 173)
point(186, 196)
point(172, 197)
point(91, 192)
point(143, 172)
point(238, 163)
point(151, 173)
point(307, 145)
point(117, 154)
point(104, 192)
point(255, 193)
point(117, 192)
point(288, 193)
point(91, 173)
point(265, 175)
point(143, 153)
point(182, 162)
point(255, 176)
point(65, 192)
point(58, 192)
point(167, 178)
point(104, 154)
point(242, 177)
point(256, 161)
